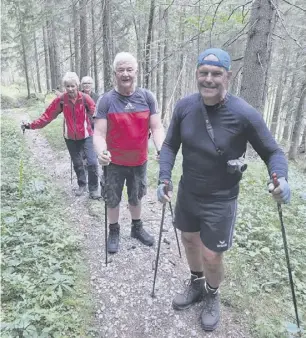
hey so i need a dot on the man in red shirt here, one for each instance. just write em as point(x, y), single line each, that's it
point(77, 108)
point(123, 119)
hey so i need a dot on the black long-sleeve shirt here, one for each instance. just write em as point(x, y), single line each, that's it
point(234, 123)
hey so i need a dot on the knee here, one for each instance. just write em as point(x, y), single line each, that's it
point(191, 240)
point(211, 257)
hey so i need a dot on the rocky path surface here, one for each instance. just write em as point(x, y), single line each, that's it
point(122, 291)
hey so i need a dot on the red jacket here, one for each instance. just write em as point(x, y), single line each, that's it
point(77, 125)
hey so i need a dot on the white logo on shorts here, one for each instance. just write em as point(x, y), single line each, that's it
point(222, 244)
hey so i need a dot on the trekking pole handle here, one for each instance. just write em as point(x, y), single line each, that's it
point(167, 186)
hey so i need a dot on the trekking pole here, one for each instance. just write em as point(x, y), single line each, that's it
point(105, 152)
point(158, 248)
point(280, 212)
point(21, 161)
point(70, 170)
point(175, 231)
point(105, 212)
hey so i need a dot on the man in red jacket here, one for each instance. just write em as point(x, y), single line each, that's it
point(77, 108)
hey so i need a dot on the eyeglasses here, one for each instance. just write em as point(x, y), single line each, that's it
point(86, 83)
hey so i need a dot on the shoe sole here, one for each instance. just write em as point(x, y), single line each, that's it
point(112, 252)
point(210, 328)
point(180, 308)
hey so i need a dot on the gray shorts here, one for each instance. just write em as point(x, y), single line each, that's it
point(136, 183)
point(215, 220)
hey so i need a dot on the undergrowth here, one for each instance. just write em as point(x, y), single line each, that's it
point(44, 282)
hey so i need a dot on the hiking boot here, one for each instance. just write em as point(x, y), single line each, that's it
point(211, 311)
point(113, 238)
point(94, 195)
point(138, 232)
point(81, 190)
point(193, 293)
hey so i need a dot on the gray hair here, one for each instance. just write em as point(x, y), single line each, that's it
point(71, 76)
point(87, 79)
point(124, 57)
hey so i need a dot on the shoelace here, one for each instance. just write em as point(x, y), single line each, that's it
point(210, 304)
point(210, 300)
point(188, 282)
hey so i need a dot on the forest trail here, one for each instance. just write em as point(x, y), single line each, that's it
point(122, 290)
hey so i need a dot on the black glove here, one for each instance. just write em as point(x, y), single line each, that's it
point(163, 189)
point(25, 126)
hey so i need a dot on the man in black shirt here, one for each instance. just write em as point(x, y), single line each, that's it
point(213, 128)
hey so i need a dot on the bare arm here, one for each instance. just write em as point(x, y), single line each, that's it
point(157, 129)
point(99, 137)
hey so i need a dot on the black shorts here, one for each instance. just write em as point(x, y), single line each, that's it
point(215, 220)
point(136, 183)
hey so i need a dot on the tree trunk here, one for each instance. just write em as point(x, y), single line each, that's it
point(139, 51)
point(303, 142)
point(71, 58)
point(180, 71)
point(165, 68)
point(279, 94)
point(37, 64)
point(52, 56)
point(25, 64)
point(76, 21)
point(148, 45)
point(298, 124)
point(158, 60)
point(46, 55)
point(24, 55)
point(94, 47)
point(107, 46)
point(152, 63)
point(257, 53)
point(83, 39)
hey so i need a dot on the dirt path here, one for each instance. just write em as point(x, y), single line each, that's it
point(121, 291)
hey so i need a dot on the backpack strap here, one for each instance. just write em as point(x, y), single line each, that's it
point(85, 103)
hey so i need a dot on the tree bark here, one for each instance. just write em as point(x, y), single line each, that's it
point(37, 64)
point(165, 68)
point(46, 55)
point(25, 64)
point(303, 142)
point(94, 47)
point(76, 21)
point(158, 59)
point(107, 46)
point(24, 55)
point(71, 58)
point(83, 39)
point(180, 71)
point(257, 53)
point(298, 124)
point(279, 94)
point(148, 45)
